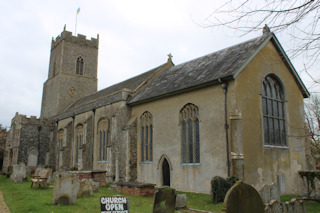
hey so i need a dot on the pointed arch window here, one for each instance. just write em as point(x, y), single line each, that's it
point(60, 146)
point(273, 112)
point(103, 134)
point(79, 140)
point(79, 66)
point(190, 134)
point(146, 137)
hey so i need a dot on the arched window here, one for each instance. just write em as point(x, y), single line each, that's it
point(103, 134)
point(146, 136)
point(273, 112)
point(79, 66)
point(190, 134)
point(79, 140)
point(60, 145)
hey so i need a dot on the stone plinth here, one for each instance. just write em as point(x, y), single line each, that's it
point(136, 188)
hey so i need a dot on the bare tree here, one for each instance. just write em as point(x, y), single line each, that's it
point(299, 17)
point(312, 111)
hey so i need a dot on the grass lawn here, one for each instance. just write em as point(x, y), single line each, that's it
point(22, 198)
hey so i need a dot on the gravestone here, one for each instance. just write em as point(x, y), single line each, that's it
point(19, 173)
point(294, 206)
point(242, 198)
point(164, 200)
point(86, 188)
point(66, 187)
point(269, 193)
point(181, 201)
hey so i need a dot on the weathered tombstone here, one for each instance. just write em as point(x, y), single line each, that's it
point(19, 173)
point(269, 193)
point(164, 200)
point(265, 194)
point(242, 198)
point(181, 201)
point(86, 188)
point(66, 187)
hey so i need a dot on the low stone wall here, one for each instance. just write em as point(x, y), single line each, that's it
point(136, 188)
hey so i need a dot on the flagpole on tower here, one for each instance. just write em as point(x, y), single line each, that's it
point(78, 11)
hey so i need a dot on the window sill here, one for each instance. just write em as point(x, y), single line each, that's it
point(146, 162)
point(276, 147)
point(190, 164)
point(102, 161)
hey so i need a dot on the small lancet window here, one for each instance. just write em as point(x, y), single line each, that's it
point(146, 136)
point(79, 67)
point(103, 134)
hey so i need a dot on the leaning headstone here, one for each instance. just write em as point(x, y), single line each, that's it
point(86, 188)
point(164, 200)
point(274, 192)
point(242, 198)
point(19, 173)
point(269, 193)
point(274, 207)
point(181, 201)
point(265, 194)
point(66, 187)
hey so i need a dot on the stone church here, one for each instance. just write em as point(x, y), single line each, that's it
point(238, 111)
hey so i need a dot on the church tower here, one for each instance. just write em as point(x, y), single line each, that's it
point(72, 72)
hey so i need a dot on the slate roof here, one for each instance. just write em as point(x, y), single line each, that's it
point(108, 95)
point(225, 65)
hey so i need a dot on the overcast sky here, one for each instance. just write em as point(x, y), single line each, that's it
point(135, 36)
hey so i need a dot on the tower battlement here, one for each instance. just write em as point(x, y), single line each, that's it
point(80, 39)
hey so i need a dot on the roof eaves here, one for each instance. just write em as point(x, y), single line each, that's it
point(177, 92)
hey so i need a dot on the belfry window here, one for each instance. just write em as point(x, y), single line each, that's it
point(190, 134)
point(79, 66)
point(273, 112)
point(146, 137)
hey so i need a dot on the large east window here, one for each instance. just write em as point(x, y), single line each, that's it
point(146, 132)
point(190, 134)
point(273, 112)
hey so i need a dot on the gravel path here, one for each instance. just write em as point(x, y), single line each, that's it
point(3, 206)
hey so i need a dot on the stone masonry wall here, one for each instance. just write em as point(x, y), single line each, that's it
point(87, 147)
point(133, 150)
point(119, 121)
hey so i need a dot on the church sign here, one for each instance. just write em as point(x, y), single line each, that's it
point(114, 205)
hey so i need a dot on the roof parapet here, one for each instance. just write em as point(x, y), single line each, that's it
point(80, 39)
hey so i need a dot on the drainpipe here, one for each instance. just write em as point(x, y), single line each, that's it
point(93, 132)
point(224, 86)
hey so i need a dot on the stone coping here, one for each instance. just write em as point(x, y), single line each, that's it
point(136, 184)
point(87, 171)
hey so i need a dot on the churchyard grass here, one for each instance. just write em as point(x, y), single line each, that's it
point(22, 198)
